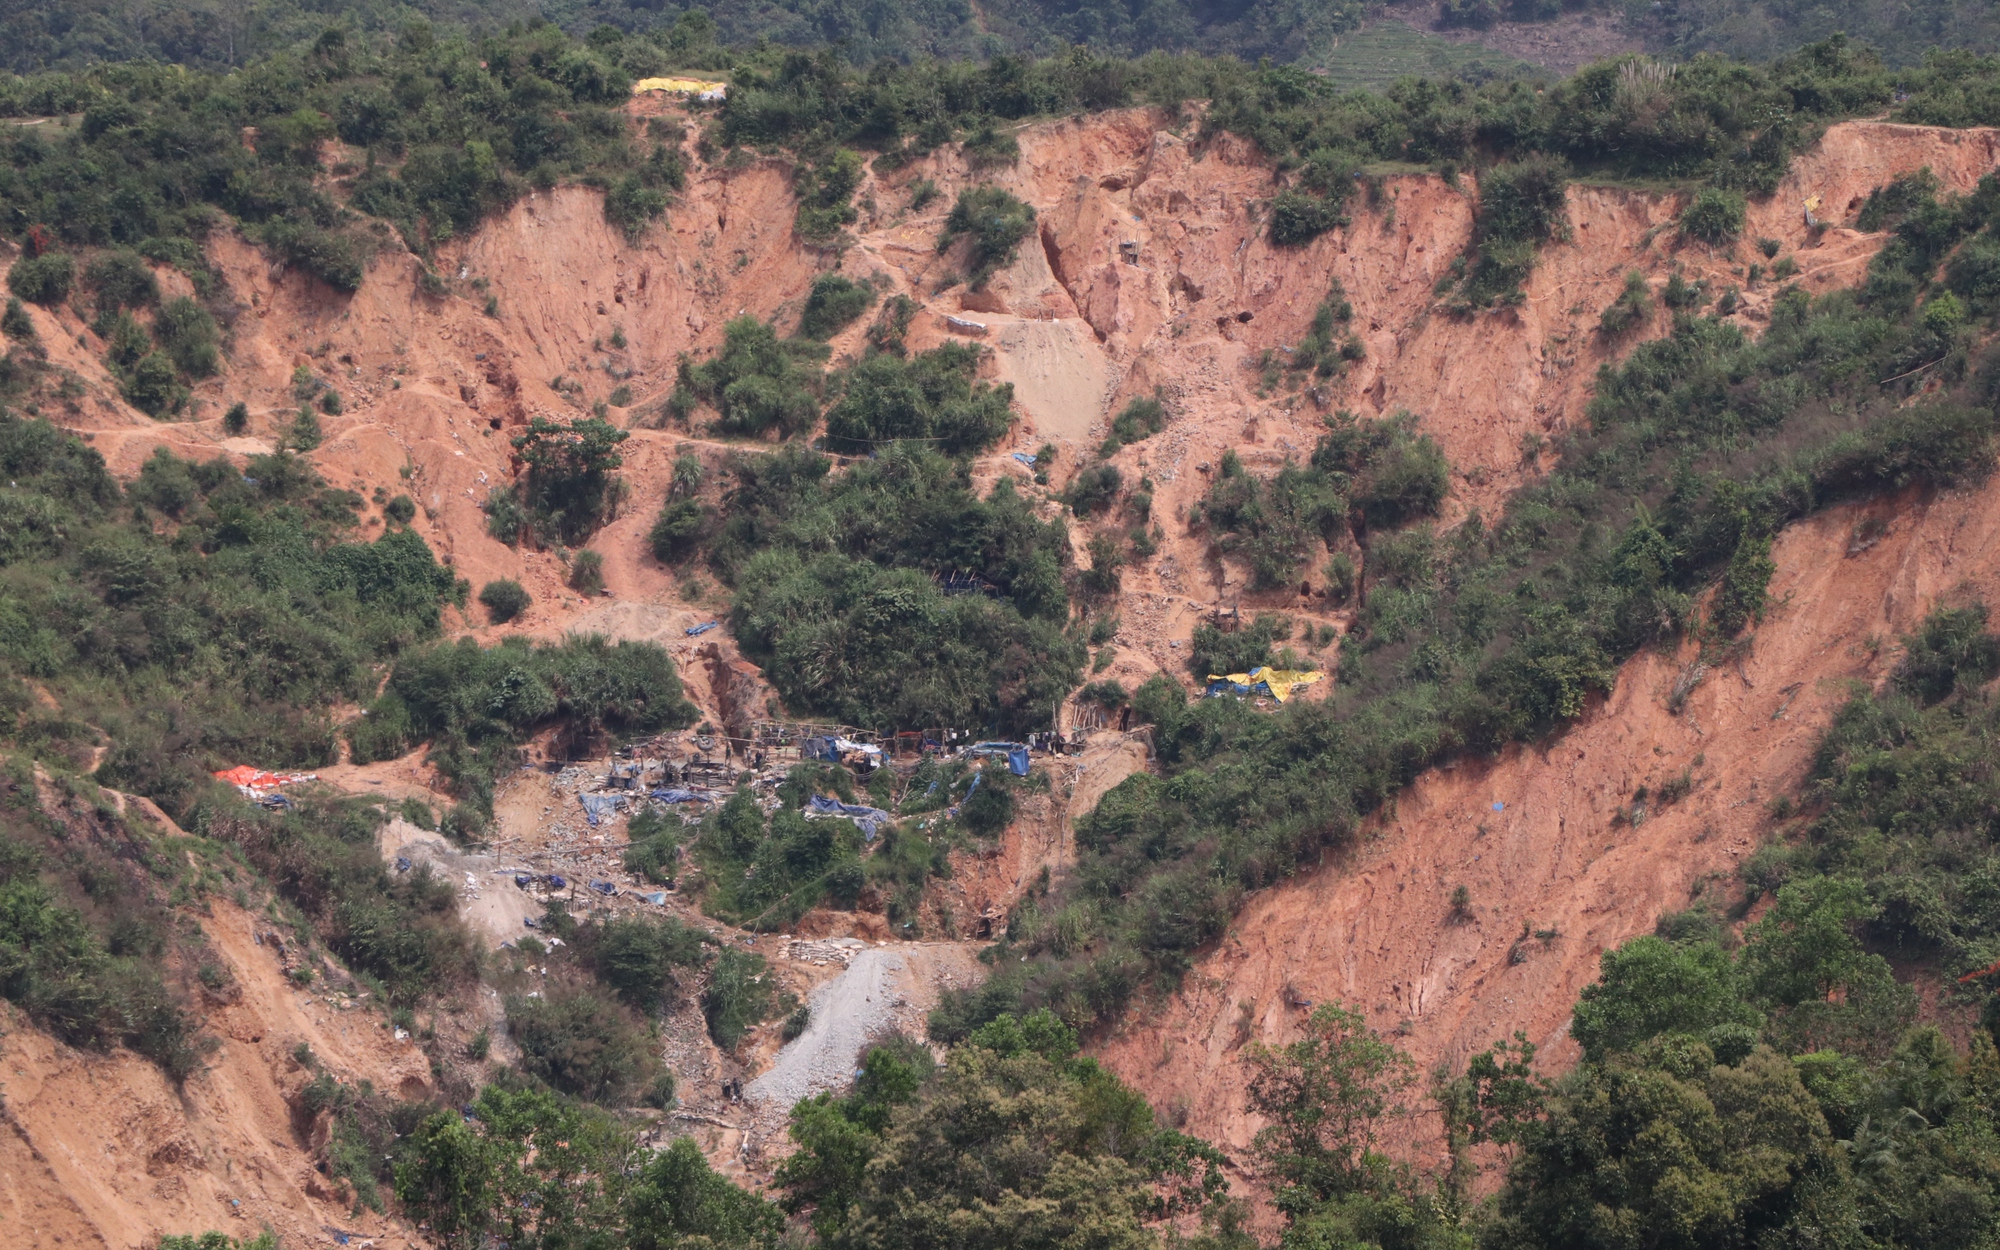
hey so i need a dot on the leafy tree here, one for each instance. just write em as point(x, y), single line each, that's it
point(1649, 987)
point(447, 1176)
point(1668, 1148)
point(569, 485)
point(757, 383)
point(1323, 1097)
point(1012, 1142)
point(677, 1202)
point(931, 396)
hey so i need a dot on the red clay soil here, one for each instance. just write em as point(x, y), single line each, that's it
point(102, 1151)
point(434, 386)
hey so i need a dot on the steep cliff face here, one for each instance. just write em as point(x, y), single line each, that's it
point(1150, 270)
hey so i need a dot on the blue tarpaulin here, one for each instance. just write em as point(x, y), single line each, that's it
point(606, 888)
point(817, 747)
point(698, 630)
point(597, 806)
point(677, 796)
point(1016, 753)
point(869, 819)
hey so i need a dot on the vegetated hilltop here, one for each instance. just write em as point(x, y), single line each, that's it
point(1211, 345)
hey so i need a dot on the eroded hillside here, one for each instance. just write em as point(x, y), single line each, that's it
point(1149, 271)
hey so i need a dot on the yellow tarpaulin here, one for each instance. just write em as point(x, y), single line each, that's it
point(685, 86)
point(1281, 682)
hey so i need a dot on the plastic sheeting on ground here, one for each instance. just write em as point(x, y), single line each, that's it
point(868, 819)
point(699, 88)
point(698, 630)
point(678, 796)
point(1279, 683)
point(597, 806)
point(255, 783)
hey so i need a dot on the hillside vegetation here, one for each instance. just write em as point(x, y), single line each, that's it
point(1770, 1083)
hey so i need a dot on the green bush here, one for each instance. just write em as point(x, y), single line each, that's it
point(1094, 490)
point(153, 386)
point(831, 305)
point(766, 875)
point(401, 509)
point(678, 530)
point(91, 980)
point(988, 810)
point(739, 994)
point(1219, 653)
point(825, 190)
point(1949, 652)
point(569, 485)
point(504, 599)
point(1298, 217)
point(187, 333)
point(1522, 205)
point(1714, 216)
point(757, 383)
point(1322, 350)
point(44, 279)
point(995, 221)
point(631, 205)
point(122, 279)
point(237, 419)
point(583, 1043)
point(1136, 421)
point(586, 573)
point(1629, 310)
point(474, 704)
point(15, 323)
point(303, 434)
point(654, 852)
point(933, 658)
point(931, 396)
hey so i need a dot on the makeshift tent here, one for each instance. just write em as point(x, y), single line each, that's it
point(1279, 683)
